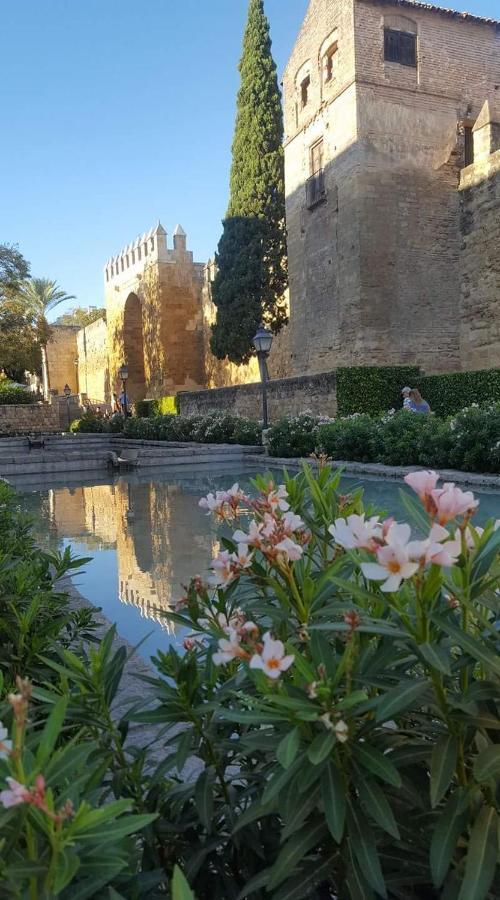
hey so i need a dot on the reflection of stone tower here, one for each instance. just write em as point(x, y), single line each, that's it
point(154, 315)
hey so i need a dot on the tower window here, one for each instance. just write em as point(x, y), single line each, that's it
point(468, 145)
point(400, 47)
point(329, 62)
point(304, 91)
point(316, 157)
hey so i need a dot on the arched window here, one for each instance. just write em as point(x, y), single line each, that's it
point(303, 86)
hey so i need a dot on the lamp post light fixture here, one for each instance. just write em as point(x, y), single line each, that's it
point(67, 394)
point(262, 342)
point(123, 375)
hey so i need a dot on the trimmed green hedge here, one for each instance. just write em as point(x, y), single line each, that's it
point(448, 394)
point(218, 428)
point(376, 389)
point(373, 389)
point(164, 406)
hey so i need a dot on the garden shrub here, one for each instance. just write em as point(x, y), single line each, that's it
point(373, 389)
point(293, 436)
point(337, 700)
point(351, 438)
point(14, 394)
point(475, 433)
point(217, 428)
point(89, 423)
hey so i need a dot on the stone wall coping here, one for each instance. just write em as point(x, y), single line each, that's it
point(378, 470)
point(329, 378)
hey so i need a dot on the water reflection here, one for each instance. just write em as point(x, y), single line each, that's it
point(147, 537)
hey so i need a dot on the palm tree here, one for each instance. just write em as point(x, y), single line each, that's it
point(40, 295)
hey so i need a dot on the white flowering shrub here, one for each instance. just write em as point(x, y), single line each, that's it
point(340, 695)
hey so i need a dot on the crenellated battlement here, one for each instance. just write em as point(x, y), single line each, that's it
point(150, 247)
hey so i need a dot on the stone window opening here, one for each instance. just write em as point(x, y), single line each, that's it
point(127, 260)
point(330, 60)
point(400, 47)
point(468, 145)
point(107, 274)
point(133, 257)
point(152, 243)
point(123, 266)
point(315, 184)
point(305, 84)
point(139, 253)
point(145, 248)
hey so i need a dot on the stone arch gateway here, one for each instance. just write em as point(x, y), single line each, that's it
point(133, 348)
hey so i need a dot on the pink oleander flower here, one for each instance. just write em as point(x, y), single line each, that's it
point(236, 620)
point(277, 499)
point(243, 557)
point(17, 793)
point(214, 502)
point(235, 493)
point(229, 649)
point(254, 536)
point(470, 533)
point(356, 533)
point(269, 526)
point(189, 644)
point(326, 718)
point(289, 550)
point(291, 522)
point(5, 743)
point(222, 569)
point(271, 660)
point(395, 560)
point(450, 502)
point(423, 483)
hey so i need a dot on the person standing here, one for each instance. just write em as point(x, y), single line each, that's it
point(406, 398)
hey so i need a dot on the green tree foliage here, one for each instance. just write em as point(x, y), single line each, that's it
point(19, 348)
point(80, 316)
point(40, 296)
point(252, 271)
point(13, 271)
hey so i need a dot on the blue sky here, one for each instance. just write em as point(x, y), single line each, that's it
point(116, 113)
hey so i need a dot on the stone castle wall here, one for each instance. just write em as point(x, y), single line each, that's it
point(480, 263)
point(93, 375)
point(374, 268)
point(287, 396)
point(62, 353)
point(29, 418)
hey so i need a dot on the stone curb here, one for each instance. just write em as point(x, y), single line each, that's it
point(377, 470)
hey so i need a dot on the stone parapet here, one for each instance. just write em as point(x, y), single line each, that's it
point(286, 396)
point(28, 419)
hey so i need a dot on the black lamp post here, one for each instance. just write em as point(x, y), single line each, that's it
point(123, 375)
point(67, 394)
point(262, 342)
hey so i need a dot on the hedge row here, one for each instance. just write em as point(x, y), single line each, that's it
point(218, 428)
point(376, 389)
point(469, 441)
point(163, 406)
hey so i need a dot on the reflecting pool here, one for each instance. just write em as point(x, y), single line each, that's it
point(147, 536)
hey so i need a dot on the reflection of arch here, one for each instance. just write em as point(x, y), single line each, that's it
point(133, 347)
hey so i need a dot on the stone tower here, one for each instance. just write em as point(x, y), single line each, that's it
point(381, 98)
point(154, 315)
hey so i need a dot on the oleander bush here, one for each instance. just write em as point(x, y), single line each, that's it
point(294, 435)
point(336, 706)
point(11, 393)
point(217, 428)
point(89, 423)
point(350, 438)
point(469, 441)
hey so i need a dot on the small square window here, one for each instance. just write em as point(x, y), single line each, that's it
point(400, 47)
point(304, 91)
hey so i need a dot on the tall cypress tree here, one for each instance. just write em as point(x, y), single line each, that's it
point(252, 272)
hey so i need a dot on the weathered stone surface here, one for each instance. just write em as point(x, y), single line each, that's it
point(375, 268)
point(314, 393)
point(62, 353)
point(29, 418)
